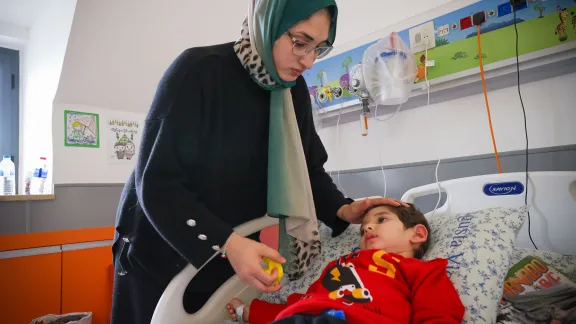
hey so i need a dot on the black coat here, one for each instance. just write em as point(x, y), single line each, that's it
point(202, 170)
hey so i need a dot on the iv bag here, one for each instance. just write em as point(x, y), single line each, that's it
point(389, 69)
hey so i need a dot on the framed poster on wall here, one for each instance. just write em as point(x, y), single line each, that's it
point(81, 129)
point(122, 139)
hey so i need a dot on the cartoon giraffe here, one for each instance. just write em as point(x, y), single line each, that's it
point(561, 28)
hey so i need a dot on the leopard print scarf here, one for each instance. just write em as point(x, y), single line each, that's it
point(250, 59)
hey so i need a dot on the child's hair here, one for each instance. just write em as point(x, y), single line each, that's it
point(410, 217)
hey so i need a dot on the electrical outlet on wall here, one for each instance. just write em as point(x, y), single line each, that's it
point(421, 37)
point(443, 30)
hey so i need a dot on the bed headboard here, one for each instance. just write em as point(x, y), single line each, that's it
point(551, 196)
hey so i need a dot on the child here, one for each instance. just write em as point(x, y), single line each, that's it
point(384, 282)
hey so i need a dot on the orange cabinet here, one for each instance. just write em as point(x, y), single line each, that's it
point(56, 273)
point(29, 287)
point(87, 282)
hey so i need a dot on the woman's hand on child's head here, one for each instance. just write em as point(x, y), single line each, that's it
point(354, 212)
point(245, 256)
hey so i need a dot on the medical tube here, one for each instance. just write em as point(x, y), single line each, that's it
point(364, 123)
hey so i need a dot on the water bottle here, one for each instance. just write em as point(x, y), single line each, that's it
point(39, 177)
point(7, 176)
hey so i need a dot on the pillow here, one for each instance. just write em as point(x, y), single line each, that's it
point(332, 248)
point(478, 246)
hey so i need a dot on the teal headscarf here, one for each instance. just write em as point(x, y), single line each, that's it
point(289, 190)
point(270, 19)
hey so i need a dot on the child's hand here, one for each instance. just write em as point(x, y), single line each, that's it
point(353, 212)
point(231, 308)
point(245, 256)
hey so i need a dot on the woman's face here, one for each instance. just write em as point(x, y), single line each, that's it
point(313, 31)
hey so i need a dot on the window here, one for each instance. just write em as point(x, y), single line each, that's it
point(9, 97)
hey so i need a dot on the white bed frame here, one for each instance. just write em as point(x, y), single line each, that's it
point(552, 196)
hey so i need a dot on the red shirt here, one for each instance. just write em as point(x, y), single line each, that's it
point(372, 286)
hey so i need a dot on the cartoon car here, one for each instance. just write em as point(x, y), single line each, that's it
point(325, 92)
point(331, 93)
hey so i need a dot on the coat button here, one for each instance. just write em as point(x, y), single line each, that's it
point(191, 222)
point(202, 237)
point(216, 247)
point(125, 239)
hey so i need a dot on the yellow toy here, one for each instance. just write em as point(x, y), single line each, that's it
point(271, 265)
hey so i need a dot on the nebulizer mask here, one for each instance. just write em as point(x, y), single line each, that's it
point(385, 76)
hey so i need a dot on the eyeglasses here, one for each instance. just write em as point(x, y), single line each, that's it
point(302, 48)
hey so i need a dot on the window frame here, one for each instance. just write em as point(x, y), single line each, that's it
point(10, 83)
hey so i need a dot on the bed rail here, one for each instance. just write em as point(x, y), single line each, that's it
point(170, 309)
point(551, 196)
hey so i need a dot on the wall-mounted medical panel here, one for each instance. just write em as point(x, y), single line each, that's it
point(545, 28)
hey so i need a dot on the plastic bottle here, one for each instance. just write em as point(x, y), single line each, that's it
point(28, 182)
point(39, 177)
point(7, 176)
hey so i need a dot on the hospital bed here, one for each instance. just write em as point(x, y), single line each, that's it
point(551, 196)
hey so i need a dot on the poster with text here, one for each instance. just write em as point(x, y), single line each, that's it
point(81, 129)
point(123, 139)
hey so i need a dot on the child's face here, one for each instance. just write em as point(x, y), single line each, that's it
point(382, 229)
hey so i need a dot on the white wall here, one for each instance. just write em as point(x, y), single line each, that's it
point(360, 18)
point(118, 50)
point(42, 60)
point(12, 36)
point(448, 129)
point(460, 127)
point(117, 53)
point(121, 48)
point(90, 165)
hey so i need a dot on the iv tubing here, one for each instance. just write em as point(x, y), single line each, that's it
point(486, 99)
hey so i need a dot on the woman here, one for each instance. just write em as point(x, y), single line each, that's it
point(203, 168)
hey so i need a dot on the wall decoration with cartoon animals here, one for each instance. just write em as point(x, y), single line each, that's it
point(81, 129)
point(123, 140)
point(541, 24)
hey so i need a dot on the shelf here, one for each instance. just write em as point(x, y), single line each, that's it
point(27, 197)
